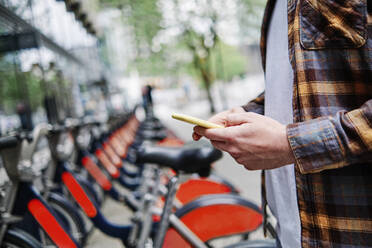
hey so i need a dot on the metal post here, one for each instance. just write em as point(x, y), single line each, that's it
point(167, 211)
point(148, 210)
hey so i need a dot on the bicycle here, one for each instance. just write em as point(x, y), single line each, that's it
point(26, 209)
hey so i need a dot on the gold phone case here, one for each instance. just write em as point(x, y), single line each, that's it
point(196, 121)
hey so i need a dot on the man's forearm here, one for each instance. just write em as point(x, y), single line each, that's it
point(333, 141)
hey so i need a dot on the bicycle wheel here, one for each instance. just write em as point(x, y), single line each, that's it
point(69, 215)
point(215, 217)
point(17, 238)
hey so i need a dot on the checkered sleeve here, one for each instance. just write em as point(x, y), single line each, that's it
point(333, 141)
point(256, 105)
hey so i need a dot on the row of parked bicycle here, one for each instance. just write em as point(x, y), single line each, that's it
point(55, 179)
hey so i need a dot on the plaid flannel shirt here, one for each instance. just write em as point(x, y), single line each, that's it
point(331, 138)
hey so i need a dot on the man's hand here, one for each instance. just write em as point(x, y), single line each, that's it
point(253, 140)
point(220, 119)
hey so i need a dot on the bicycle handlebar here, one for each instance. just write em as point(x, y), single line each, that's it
point(8, 142)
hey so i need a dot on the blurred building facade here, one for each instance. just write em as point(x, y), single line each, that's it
point(50, 59)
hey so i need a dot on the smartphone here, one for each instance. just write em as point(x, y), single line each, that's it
point(195, 121)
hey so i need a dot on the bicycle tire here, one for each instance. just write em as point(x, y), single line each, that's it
point(70, 216)
point(17, 238)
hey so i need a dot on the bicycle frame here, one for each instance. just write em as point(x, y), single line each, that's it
point(42, 213)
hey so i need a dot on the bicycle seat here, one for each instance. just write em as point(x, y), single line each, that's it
point(186, 159)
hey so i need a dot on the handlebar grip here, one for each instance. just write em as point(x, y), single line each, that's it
point(8, 142)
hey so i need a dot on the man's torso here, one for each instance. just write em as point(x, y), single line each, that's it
point(331, 56)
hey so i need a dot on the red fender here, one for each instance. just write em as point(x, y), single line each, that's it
point(194, 188)
point(50, 225)
point(115, 159)
point(215, 220)
point(79, 194)
point(96, 173)
point(109, 166)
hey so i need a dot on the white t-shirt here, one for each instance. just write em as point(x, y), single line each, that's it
point(280, 182)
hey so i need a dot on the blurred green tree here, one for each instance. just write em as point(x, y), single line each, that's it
point(17, 86)
point(195, 30)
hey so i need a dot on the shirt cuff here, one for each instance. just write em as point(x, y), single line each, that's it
point(254, 107)
point(316, 145)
